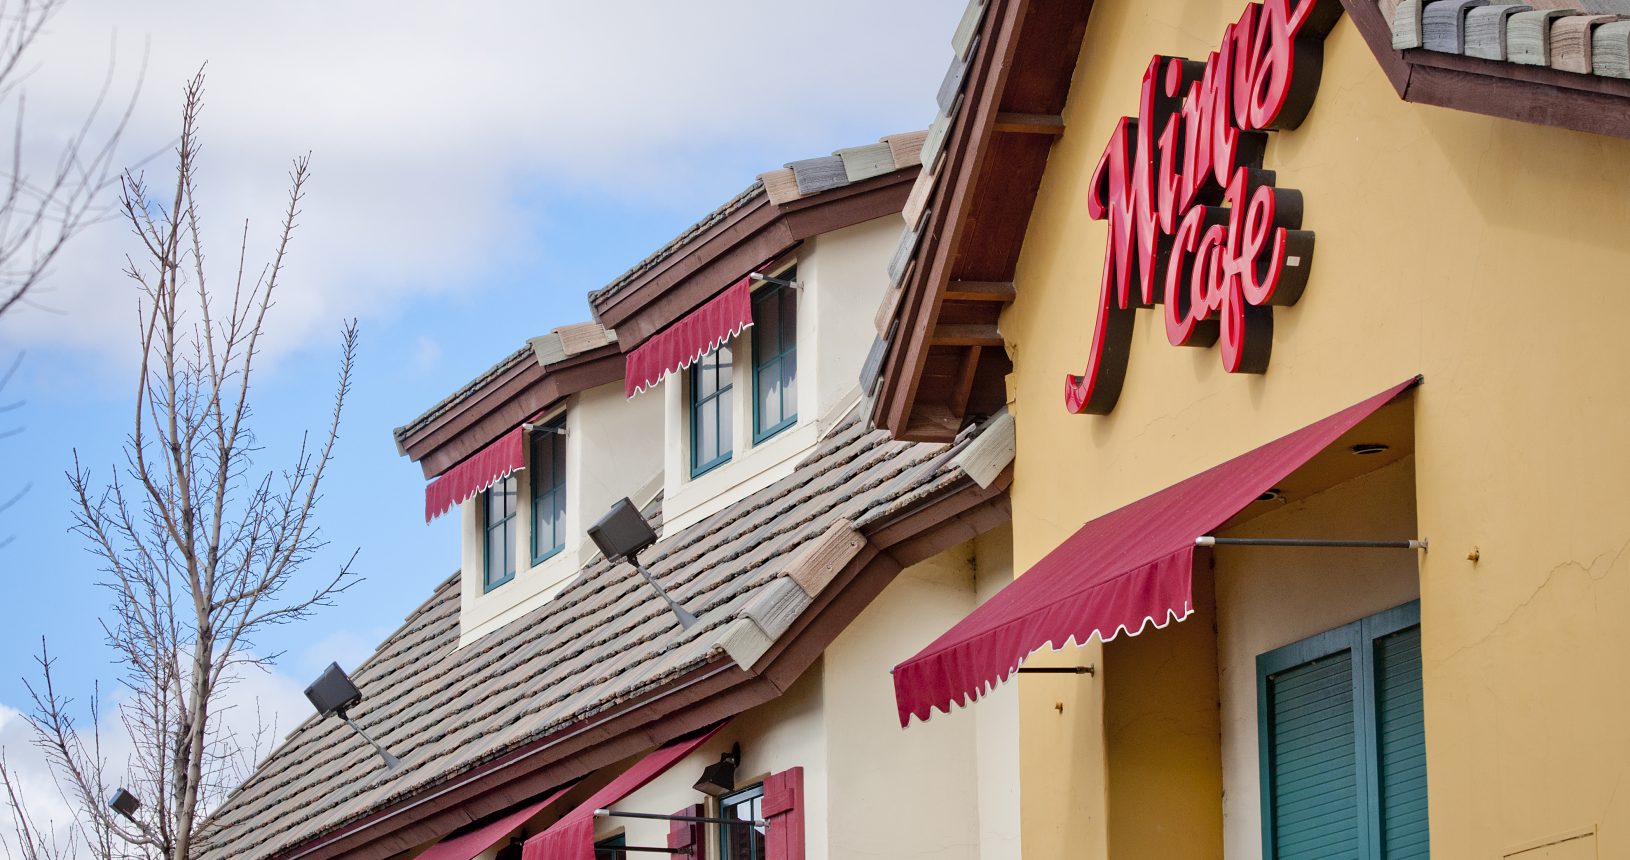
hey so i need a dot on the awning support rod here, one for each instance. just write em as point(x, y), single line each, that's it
point(697, 819)
point(1058, 670)
point(1213, 540)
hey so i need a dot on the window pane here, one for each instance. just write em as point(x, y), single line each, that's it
point(740, 842)
point(768, 407)
point(789, 314)
point(1400, 733)
point(789, 385)
point(703, 379)
point(767, 326)
point(495, 555)
point(1312, 760)
point(707, 439)
point(722, 418)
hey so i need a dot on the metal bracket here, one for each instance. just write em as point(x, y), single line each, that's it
point(780, 282)
point(1213, 540)
point(694, 819)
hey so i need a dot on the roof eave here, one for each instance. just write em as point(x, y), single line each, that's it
point(721, 254)
point(715, 691)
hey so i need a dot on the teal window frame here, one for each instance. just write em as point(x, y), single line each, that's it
point(548, 485)
point(711, 403)
point(510, 488)
point(755, 810)
point(611, 848)
point(1359, 639)
point(775, 355)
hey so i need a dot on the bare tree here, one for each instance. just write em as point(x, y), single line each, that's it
point(200, 550)
point(43, 208)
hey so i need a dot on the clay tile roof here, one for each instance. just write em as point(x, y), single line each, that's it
point(560, 343)
point(604, 640)
point(796, 181)
point(1585, 37)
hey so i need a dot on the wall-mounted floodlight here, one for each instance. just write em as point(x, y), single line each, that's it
point(557, 429)
point(124, 803)
point(622, 534)
point(332, 693)
point(719, 779)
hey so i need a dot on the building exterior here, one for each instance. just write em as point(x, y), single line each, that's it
point(1393, 236)
point(543, 683)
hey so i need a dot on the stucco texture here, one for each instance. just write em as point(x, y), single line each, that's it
point(1486, 254)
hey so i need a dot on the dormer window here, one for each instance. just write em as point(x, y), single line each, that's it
point(498, 513)
point(775, 359)
point(548, 476)
point(710, 412)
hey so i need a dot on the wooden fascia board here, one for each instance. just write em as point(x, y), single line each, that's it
point(1533, 94)
point(948, 218)
point(505, 403)
point(653, 283)
point(715, 260)
point(713, 270)
point(704, 696)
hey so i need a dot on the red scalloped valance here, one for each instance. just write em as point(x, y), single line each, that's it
point(481, 470)
point(685, 342)
point(1117, 574)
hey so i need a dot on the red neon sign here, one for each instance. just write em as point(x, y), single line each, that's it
point(1194, 221)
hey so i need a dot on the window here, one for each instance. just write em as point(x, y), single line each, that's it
point(742, 842)
point(775, 360)
point(611, 849)
point(1343, 744)
point(498, 513)
point(548, 468)
point(710, 411)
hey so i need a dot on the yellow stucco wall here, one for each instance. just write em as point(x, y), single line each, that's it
point(1489, 255)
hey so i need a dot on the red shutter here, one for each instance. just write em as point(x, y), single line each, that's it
point(686, 836)
point(784, 810)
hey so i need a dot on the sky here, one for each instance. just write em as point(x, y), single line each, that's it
point(474, 173)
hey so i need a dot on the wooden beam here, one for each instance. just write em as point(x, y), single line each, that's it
point(966, 334)
point(1030, 123)
point(981, 291)
point(964, 383)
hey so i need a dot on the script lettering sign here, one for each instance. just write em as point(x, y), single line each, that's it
point(1195, 222)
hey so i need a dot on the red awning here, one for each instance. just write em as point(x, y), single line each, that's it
point(1120, 572)
point(680, 345)
point(572, 837)
point(486, 467)
point(470, 845)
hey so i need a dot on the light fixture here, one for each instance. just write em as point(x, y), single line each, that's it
point(1366, 448)
point(1272, 495)
point(719, 779)
point(124, 803)
point(332, 694)
point(622, 534)
point(557, 429)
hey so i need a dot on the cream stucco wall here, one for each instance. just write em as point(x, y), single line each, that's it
point(1486, 254)
point(946, 789)
point(843, 274)
point(612, 451)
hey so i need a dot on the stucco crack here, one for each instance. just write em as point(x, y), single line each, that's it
point(1595, 571)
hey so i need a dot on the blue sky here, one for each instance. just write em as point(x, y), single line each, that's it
point(473, 177)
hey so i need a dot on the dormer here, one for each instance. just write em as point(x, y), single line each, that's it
point(751, 327)
point(530, 454)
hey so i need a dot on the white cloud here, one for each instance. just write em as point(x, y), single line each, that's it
point(426, 121)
